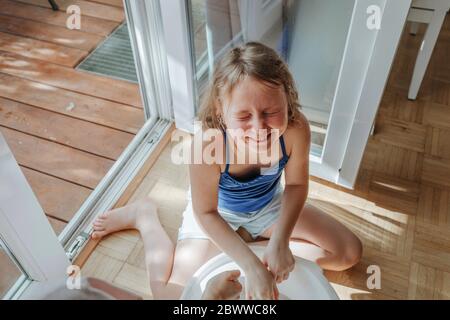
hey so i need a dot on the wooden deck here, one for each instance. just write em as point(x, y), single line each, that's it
point(400, 207)
point(65, 127)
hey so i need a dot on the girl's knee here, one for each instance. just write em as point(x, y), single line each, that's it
point(166, 290)
point(352, 253)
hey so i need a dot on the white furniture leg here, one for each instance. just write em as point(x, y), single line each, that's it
point(414, 28)
point(426, 49)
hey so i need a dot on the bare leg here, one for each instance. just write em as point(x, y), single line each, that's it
point(190, 254)
point(323, 239)
point(168, 268)
point(142, 215)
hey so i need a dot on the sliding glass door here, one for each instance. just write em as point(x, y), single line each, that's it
point(31, 252)
point(339, 52)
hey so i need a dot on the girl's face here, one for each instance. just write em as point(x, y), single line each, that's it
point(254, 105)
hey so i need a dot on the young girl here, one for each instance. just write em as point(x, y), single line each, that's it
point(252, 103)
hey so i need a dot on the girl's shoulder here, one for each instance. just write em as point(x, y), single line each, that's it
point(297, 134)
point(209, 144)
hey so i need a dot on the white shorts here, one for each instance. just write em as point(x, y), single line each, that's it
point(255, 222)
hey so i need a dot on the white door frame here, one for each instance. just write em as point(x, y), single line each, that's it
point(180, 62)
point(386, 43)
point(147, 39)
point(23, 225)
point(360, 86)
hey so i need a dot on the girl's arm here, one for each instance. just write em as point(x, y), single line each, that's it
point(204, 189)
point(296, 182)
point(278, 255)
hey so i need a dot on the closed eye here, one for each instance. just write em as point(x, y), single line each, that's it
point(243, 118)
point(271, 113)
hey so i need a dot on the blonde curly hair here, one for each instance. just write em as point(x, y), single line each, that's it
point(251, 59)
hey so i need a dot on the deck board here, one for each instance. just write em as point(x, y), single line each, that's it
point(50, 33)
point(89, 24)
point(117, 3)
point(59, 198)
point(65, 130)
point(56, 160)
point(67, 78)
point(107, 113)
point(90, 9)
point(41, 50)
point(57, 225)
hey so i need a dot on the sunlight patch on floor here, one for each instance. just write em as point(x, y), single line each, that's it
point(346, 293)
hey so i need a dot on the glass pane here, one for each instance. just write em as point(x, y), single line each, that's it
point(70, 105)
point(309, 34)
point(10, 271)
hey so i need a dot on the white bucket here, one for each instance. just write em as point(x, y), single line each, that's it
point(305, 282)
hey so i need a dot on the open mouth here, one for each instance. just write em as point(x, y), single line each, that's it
point(260, 140)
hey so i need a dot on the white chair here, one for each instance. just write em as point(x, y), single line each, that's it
point(433, 13)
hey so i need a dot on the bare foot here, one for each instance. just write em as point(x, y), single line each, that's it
point(129, 217)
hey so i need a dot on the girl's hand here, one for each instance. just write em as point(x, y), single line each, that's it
point(279, 259)
point(260, 284)
point(224, 286)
